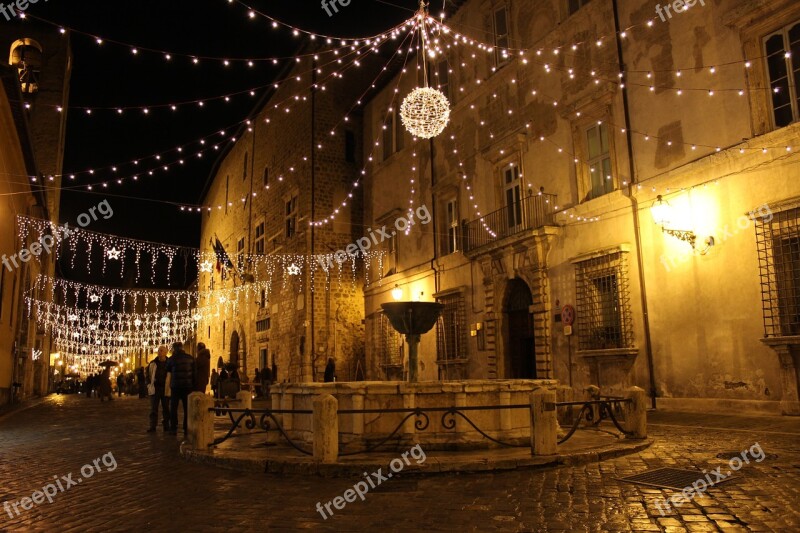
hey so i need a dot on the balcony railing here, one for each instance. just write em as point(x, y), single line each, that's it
point(532, 212)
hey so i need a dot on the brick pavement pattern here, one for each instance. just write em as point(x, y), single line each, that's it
point(154, 489)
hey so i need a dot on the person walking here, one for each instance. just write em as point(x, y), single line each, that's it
point(104, 385)
point(141, 382)
point(203, 367)
point(156, 389)
point(330, 371)
point(183, 377)
point(120, 384)
point(266, 381)
point(214, 382)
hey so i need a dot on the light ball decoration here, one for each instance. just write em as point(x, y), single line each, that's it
point(425, 112)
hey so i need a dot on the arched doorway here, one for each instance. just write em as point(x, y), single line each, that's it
point(520, 356)
point(234, 353)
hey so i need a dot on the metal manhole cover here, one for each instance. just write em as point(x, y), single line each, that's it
point(673, 478)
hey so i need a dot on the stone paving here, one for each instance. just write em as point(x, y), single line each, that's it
point(152, 488)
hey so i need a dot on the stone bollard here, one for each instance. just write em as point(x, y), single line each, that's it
point(201, 421)
point(326, 429)
point(244, 400)
point(636, 413)
point(544, 425)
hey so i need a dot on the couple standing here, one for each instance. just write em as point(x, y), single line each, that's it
point(184, 376)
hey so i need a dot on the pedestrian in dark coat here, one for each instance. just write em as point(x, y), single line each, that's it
point(104, 385)
point(141, 382)
point(157, 370)
point(330, 371)
point(203, 367)
point(183, 377)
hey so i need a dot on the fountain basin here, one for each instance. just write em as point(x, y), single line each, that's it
point(357, 431)
point(412, 318)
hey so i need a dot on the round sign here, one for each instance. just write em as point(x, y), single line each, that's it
point(568, 315)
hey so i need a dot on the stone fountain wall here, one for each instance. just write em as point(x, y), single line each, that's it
point(357, 431)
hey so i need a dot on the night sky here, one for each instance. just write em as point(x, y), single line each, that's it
point(111, 75)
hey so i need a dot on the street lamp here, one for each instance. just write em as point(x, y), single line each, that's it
point(663, 215)
point(397, 293)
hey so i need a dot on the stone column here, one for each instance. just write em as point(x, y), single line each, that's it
point(790, 403)
point(326, 429)
point(544, 425)
point(244, 400)
point(505, 414)
point(413, 346)
point(409, 429)
point(636, 413)
point(201, 421)
point(358, 418)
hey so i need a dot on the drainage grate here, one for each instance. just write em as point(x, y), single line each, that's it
point(672, 478)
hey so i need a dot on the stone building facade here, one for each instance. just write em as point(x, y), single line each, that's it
point(261, 208)
point(547, 241)
point(542, 190)
point(35, 77)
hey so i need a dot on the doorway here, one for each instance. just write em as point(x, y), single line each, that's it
point(520, 356)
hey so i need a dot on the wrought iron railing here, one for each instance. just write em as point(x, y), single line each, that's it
point(532, 212)
point(592, 411)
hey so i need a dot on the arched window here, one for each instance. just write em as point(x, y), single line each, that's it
point(26, 55)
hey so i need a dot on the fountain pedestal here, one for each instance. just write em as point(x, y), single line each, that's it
point(413, 319)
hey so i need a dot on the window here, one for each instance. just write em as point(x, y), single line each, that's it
point(349, 146)
point(778, 241)
point(501, 39)
point(291, 217)
point(263, 358)
point(263, 325)
point(244, 166)
point(451, 329)
point(266, 177)
point(442, 74)
point(240, 254)
point(26, 55)
point(262, 303)
point(452, 225)
point(260, 238)
point(599, 161)
point(603, 299)
point(782, 50)
point(512, 193)
point(393, 135)
point(387, 342)
point(575, 5)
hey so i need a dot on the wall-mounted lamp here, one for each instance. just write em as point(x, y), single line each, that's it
point(663, 216)
point(397, 293)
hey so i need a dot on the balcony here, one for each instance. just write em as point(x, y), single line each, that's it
point(530, 213)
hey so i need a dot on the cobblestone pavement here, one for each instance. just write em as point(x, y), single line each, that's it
point(152, 488)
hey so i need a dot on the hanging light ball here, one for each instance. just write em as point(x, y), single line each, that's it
point(425, 112)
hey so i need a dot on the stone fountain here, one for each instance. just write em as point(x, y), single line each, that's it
point(413, 319)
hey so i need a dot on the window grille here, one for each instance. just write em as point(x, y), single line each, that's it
point(778, 242)
point(451, 329)
point(387, 342)
point(604, 306)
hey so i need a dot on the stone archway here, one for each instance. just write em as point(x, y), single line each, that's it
point(518, 332)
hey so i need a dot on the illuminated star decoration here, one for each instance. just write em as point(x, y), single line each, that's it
point(114, 253)
point(206, 266)
point(293, 270)
point(94, 298)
